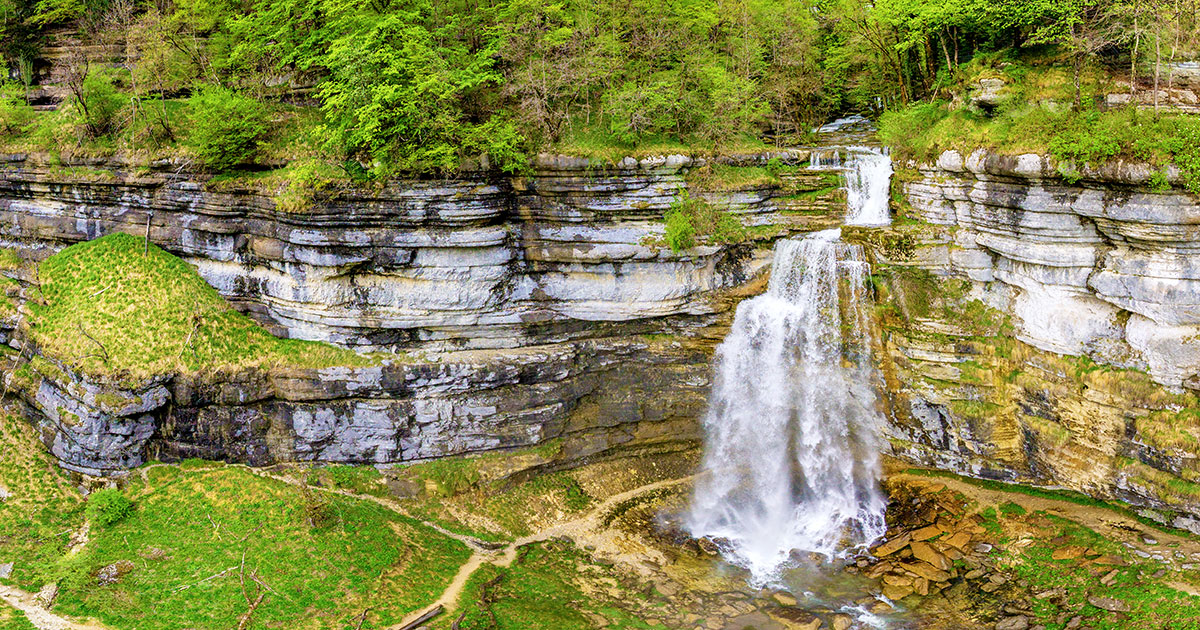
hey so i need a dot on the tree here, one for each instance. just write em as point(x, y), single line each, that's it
point(1082, 27)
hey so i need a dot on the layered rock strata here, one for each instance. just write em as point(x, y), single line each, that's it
point(1042, 331)
point(475, 262)
point(510, 311)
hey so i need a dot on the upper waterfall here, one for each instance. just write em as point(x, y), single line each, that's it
point(791, 455)
point(868, 185)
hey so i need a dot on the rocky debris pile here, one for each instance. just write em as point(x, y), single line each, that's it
point(112, 573)
point(938, 545)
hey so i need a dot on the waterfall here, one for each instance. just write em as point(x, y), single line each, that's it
point(820, 160)
point(868, 186)
point(791, 454)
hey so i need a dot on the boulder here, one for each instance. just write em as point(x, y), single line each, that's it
point(988, 94)
point(893, 545)
point(926, 553)
point(1013, 623)
point(1109, 604)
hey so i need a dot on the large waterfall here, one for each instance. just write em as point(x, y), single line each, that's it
point(791, 457)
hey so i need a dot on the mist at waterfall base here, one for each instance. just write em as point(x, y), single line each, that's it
point(791, 455)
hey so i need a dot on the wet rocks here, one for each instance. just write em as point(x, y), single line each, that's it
point(1013, 623)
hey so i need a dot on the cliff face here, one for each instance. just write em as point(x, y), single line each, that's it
point(1045, 331)
point(1031, 329)
point(511, 311)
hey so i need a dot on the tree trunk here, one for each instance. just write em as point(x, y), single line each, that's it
point(1078, 70)
point(1157, 68)
point(1137, 38)
point(946, 52)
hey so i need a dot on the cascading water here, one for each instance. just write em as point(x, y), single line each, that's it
point(868, 178)
point(792, 425)
point(791, 451)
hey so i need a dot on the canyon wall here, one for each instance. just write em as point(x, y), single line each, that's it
point(1031, 329)
point(508, 310)
point(1046, 331)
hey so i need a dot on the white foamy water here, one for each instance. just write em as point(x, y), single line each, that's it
point(868, 186)
point(792, 427)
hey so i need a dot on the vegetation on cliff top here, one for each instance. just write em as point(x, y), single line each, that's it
point(1031, 116)
point(389, 86)
point(117, 306)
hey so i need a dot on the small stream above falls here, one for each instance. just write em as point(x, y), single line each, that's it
point(792, 430)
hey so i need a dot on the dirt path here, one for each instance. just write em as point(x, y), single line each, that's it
point(580, 530)
point(38, 616)
point(1109, 523)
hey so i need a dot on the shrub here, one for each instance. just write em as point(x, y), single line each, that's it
point(306, 181)
point(227, 129)
point(106, 508)
point(99, 102)
point(904, 129)
point(15, 113)
point(681, 234)
point(1085, 141)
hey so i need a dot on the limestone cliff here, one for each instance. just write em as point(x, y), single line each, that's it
point(1043, 330)
point(509, 310)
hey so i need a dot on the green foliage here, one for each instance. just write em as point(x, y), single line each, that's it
point(13, 619)
point(227, 129)
point(907, 129)
point(1076, 139)
point(304, 182)
point(99, 102)
point(15, 114)
point(108, 507)
point(451, 476)
point(690, 218)
point(541, 590)
point(680, 233)
point(1141, 584)
point(1069, 496)
point(1009, 509)
point(51, 12)
point(44, 507)
point(1083, 142)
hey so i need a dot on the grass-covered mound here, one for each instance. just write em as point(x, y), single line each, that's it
point(321, 560)
point(114, 306)
point(42, 510)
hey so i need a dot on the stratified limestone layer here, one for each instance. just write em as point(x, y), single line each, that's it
point(1104, 268)
point(1042, 331)
point(601, 394)
point(480, 261)
point(524, 310)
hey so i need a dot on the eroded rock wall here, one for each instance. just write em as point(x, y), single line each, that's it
point(510, 311)
point(1043, 331)
point(476, 262)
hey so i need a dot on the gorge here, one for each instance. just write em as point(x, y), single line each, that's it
point(561, 315)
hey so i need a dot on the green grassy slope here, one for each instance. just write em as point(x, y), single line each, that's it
point(113, 306)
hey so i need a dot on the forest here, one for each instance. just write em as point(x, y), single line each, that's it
point(400, 86)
